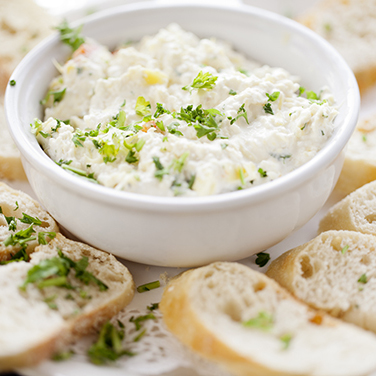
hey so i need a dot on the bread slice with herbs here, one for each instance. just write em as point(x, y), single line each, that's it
point(359, 167)
point(336, 273)
point(68, 289)
point(349, 26)
point(23, 224)
point(247, 323)
point(356, 212)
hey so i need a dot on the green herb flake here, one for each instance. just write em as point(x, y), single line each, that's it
point(61, 356)
point(328, 27)
point(263, 321)
point(142, 106)
point(137, 321)
point(202, 81)
point(301, 91)
point(57, 95)
point(273, 97)
point(131, 158)
point(160, 110)
point(241, 176)
point(77, 138)
point(262, 259)
point(20, 238)
point(50, 301)
point(12, 83)
point(312, 96)
point(363, 279)
point(191, 181)
point(148, 286)
point(69, 36)
point(160, 125)
point(286, 339)
point(262, 173)
point(268, 108)
point(108, 347)
point(364, 138)
point(160, 170)
point(179, 163)
point(232, 92)
point(11, 221)
point(28, 219)
point(17, 206)
point(243, 71)
point(140, 144)
point(224, 146)
point(153, 306)
point(344, 249)
point(42, 237)
point(21, 255)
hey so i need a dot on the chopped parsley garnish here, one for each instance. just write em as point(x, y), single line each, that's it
point(263, 321)
point(61, 356)
point(301, 91)
point(58, 125)
point(142, 106)
point(11, 221)
point(364, 138)
point(262, 173)
point(57, 95)
point(268, 108)
point(148, 286)
point(241, 176)
point(312, 96)
point(286, 339)
point(273, 97)
point(77, 138)
point(224, 146)
point(12, 83)
point(42, 236)
point(232, 92)
point(139, 336)
point(136, 321)
point(20, 238)
point(79, 172)
point(70, 36)
point(363, 279)
point(109, 151)
point(153, 306)
point(173, 128)
point(262, 259)
point(160, 110)
point(160, 170)
point(344, 249)
point(21, 255)
point(179, 163)
point(160, 125)
point(241, 113)
point(191, 181)
point(54, 272)
point(28, 219)
point(17, 206)
point(108, 347)
point(131, 158)
point(243, 71)
point(202, 81)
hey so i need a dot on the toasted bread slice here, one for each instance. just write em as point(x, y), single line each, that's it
point(356, 212)
point(360, 160)
point(14, 204)
point(244, 320)
point(37, 321)
point(335, 272)
point(348, 26)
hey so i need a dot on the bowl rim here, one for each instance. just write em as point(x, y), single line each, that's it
point(257, 194)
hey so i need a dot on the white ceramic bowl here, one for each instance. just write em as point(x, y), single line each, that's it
point(188, 231)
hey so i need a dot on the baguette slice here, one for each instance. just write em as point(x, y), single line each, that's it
point(356, 212)
point(38, 322)
point(207, 309)
point(359, 167)
point(336, 273)
point(9, 198)
point(349, 26)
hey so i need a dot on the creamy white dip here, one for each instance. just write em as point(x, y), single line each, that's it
point(133, 127)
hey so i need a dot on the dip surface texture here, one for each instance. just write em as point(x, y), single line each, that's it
point(174, 115)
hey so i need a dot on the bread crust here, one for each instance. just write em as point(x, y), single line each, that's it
point(89, 320)
point(180, 318)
